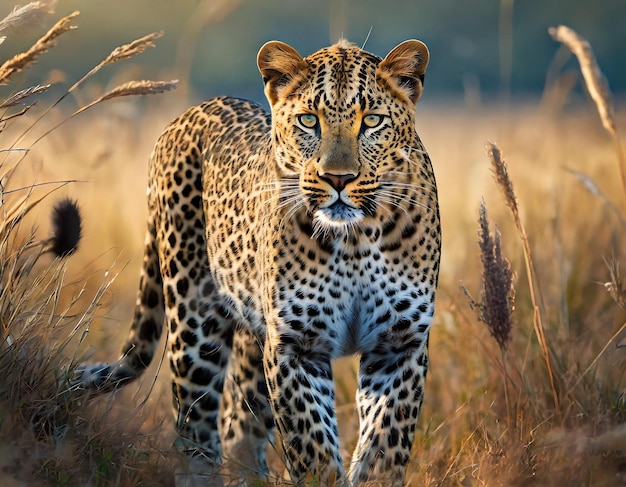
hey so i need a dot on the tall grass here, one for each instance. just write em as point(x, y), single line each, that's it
point(46, 434)
point(558, 418)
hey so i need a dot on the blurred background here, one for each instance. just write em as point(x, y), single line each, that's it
point(482, 51)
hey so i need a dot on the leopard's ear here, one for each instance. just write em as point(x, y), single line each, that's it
point(278, 64)
point(404, 67)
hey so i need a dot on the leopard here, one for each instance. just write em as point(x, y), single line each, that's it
point(278, 241)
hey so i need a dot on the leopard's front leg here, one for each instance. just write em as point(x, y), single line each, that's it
point(389, 397)
point(300, 382)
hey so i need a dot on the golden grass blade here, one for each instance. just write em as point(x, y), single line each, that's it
point(21, 61)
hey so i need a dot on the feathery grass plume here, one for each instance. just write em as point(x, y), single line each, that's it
point(498, 293)
point(503, 180)
point(23, 60)
point(501, 175)
point(17, 98)
point(66, 228)
point(597, 86)
point(22, 17)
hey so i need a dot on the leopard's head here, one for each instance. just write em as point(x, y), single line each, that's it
point(343, 127)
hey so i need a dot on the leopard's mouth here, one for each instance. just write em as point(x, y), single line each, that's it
point(338, 214)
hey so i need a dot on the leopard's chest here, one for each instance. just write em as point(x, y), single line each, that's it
point(344, 293)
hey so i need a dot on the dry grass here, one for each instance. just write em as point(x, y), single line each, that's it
point(597, 87)
point(47, 306)
point(24, 60)
point(556, 419)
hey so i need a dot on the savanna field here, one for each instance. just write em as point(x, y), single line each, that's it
point(527, 383)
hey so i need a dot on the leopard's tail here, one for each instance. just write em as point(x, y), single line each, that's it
point(145, 333)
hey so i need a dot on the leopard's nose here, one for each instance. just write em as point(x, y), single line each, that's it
point(337, 181)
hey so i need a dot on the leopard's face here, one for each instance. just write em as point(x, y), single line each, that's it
point(343, 128)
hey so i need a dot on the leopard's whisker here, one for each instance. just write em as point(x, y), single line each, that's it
point(399, 198)
point(377, 206)
point(394, 204)
point(274, 194)
point(295, 198)
point(423, 184)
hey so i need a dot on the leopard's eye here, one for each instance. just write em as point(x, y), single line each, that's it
point(308, 120)
point(372, 121)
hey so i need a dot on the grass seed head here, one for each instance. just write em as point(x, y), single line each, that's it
point(128, 50)
point(143, 87)
point(23, 60)
point(24, 16)
point(503, 179)
point(498, 294)
point(17, 98)
point(594, 79)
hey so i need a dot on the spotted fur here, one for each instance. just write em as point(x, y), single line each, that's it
point(277, 243)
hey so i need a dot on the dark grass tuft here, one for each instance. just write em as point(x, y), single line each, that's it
point(66, 227)
point(498, 294)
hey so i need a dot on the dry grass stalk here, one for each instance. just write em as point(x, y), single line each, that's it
point(21, 61)
point(21, 17)
point(597, 87)
point(506, 185)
